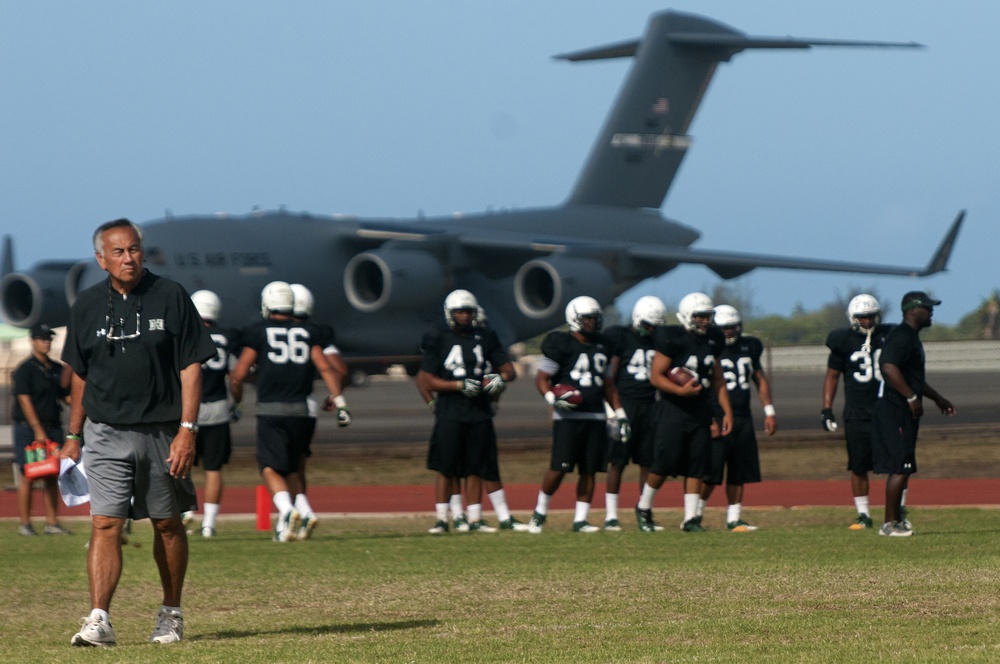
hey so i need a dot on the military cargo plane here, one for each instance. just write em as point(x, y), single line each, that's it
point(379, 282)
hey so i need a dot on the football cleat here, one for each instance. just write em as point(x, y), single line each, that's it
point(461, 524)
point(740, 526)
point(536, 522)
point(612, 525)
point(514, 524)
point(904, 518)
point(481, 527)
point(440, 528)
point(692, 525)
point(584, 527)
point(863, 521)
point(309, 523)
point(207, 532)
point(644, 518)
point(287, 527)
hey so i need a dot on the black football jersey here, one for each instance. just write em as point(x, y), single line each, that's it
point(859, 368)
point(285, 371)
point(697, 352)
point(215, 370)
point(454, 356)
point(739, 363)
point(583, 365)
point(635, 353)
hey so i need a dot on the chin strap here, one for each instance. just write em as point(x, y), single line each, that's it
point(867, 345)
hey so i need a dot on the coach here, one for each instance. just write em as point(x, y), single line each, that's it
point(135, 344)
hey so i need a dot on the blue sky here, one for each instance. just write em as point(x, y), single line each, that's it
point(390, 109)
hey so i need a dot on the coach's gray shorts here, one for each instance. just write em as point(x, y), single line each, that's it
point(128, 473)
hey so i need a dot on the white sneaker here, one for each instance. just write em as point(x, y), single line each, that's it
point(287, 527)
point(207, 531)
point(309, 523)
point(95, 632)
point(169, 628)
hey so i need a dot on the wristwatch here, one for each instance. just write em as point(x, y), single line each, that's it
point(190, 426)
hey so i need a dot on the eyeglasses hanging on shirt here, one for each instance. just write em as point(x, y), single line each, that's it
point(110, 324)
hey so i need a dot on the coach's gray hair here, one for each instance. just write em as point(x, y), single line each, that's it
point(107, 226)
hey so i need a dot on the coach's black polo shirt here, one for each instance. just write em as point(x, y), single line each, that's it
point(135, 381)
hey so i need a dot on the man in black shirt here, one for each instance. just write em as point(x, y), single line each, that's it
point(38, 394)
point(135, 343)
point(899, 407)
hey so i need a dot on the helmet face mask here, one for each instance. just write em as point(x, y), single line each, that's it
point(277, 298)
point(584, 315)
point(461, 301)
point(304, 301)
point(648, 313)
point(864, 312)
point(728, 319)
point(208, 304)
point(696, 312)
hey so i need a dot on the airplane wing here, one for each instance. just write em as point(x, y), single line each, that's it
point(729, 264)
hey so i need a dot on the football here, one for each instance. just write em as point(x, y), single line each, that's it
point(680, 375)
point(567, 393)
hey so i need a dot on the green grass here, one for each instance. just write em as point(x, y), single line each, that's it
point(802, 589)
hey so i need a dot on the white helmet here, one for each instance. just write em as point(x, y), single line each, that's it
point(580, 307)
point(692, 304)
point(303, 301)
point(458, 300)
point(277, 298)
point(208, 304)
point(863, 305)
point(481, 319)
point(648, 310)
point(728, 316)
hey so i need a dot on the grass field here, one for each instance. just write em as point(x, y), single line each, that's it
point(801, 589)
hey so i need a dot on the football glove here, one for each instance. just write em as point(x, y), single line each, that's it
point(494, 384)
point(624, 428)
point(343, 417)
point(827, 420)
point(560, 401)
point(471, 388)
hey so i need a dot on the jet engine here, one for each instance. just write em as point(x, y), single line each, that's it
point(44, 294)
point(544, 286)
point(394, 278)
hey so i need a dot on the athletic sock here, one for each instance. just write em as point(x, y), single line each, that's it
point(441, 510)
point(542, 507)
point(302, 505)
point(691, 505)
point(211, 512)
point(610, 506)
point(700, 509)
point(456, 505)
point(646, 497)
point(475, 513)
point(733, 513)
point(902, 498)
point(582, 510)
point(861, 503)
point(499, 500)
point(282, 501)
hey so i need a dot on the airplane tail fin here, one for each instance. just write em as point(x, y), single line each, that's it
point(641, 145)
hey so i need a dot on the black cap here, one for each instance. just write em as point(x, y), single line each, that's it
point(915, 299)
point(41, 331)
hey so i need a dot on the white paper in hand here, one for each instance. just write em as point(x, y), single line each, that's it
point(73, 483)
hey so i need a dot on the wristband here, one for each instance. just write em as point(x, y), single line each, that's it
point(339, 401)
point(769, 410)
point(913, 397)
point(620, 414)
point(73, 436)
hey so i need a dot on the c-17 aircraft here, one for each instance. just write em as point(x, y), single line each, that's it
point(380, 282)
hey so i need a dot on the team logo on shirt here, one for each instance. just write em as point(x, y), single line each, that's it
point(156, 324)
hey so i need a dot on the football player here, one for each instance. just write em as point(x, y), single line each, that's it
point(740, 360)
point(854, 354)
point(213, 445)
point(288, 354)
point(630, 364)
point(302, 311)
point(684, 412)
point(579, 358)
point(458, 358)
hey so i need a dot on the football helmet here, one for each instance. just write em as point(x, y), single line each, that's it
point(728, 316)
point(208, 304)
point(458, 300)
point(694, 304)
point(581, 307)
point(481, 319)
point(648, 310)
point(304, 301)
point(863, 305)
point(276, 298)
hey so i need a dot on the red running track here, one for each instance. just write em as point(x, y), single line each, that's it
point(521, 497)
